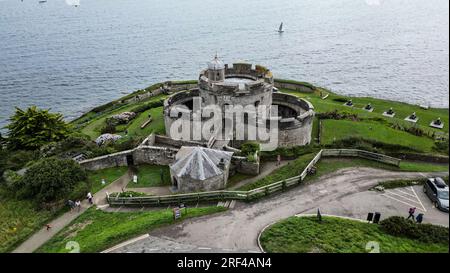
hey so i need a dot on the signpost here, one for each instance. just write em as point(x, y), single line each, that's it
point(176, 213)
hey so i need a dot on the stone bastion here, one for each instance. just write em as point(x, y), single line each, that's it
point(243, 84)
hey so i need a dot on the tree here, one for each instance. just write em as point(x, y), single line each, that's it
point(51, 180)
point(31, 128)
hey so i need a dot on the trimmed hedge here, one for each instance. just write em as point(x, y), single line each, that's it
point(399, 226)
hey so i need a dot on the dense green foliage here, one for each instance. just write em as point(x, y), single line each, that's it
point(337, 235)
point(96, 230)
point(427, 233)
point(51, 180)
point(33, 127)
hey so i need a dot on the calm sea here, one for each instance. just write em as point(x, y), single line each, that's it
point(70, 59)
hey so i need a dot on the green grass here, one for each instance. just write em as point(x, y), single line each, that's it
point(236, 178)
point(291, 169)
point(402, 109)
point(19, 220)
point(96, 230)
point(93, 127)
point(150, 176)
point(336, 235)
point(110, 175)
point(333, 130)
point(155, 126)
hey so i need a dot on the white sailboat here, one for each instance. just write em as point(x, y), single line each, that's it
point(280, 29)
point(74, 3)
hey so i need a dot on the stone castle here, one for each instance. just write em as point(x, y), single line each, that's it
point(206, 163)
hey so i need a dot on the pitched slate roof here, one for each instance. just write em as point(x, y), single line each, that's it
point(199, 163)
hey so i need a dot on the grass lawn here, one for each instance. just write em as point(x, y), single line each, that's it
point(19, 220)
point(336, 235)
point(150, 176)
point(155, 126)
point(96, 230)
point(402, 109)
point(110, 175)
point(93, 128)
point(340, 129)
point(236, 178)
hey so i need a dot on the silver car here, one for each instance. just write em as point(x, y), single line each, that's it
point(437, 190)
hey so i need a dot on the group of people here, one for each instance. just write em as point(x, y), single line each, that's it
point(75, 205)
point(419, 217)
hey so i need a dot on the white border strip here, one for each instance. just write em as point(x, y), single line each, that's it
point(125, 243)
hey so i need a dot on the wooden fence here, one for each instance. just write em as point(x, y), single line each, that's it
point(250, 195)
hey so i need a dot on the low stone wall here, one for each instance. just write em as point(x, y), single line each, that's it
point(174, 142)
point(154, 155)
point(141, 155)
point(240, 164)
point(106, 161)
point(293, 86)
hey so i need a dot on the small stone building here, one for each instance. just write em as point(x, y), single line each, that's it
point(200, 169)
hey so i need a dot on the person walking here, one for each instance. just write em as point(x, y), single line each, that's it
point(48, 227)
point(411, 213)
point(78, 205)
point(71, 204)
point(278, 160)
point(89, 197)
point(419, 218)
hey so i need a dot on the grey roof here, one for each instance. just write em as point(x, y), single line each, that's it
point(216, 64)
point(199, 163)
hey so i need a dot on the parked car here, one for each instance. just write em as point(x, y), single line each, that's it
point(437, 190)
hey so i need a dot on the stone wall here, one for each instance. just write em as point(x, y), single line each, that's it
point(107, 161)
point(294, 86)
point(186, 184)
point(141, 155)
point(240, 164)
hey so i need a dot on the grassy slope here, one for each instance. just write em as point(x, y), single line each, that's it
point(96, 230)
point(291, 169)
point(109, 174)
point(334, 235)
point(92, 129)
point(402, 109)
point(19, 220)
point(150, 176)
point(339, 129)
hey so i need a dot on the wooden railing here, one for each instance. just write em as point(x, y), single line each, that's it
point(250, 195)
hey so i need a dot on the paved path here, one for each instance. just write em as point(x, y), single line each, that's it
point(343, 193)
point(42, 236)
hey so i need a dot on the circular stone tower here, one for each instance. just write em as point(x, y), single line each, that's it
point(240, 84)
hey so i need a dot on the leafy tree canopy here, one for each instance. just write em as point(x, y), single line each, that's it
point(51, 180)
point(34, 127)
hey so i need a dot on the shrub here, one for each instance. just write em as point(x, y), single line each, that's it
point(338, 115)
point(108, 129)
point(400, 226)
point(441, 146)
point(51, 180)
point(147, 106)
point(250, 148)
point(339, 99)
